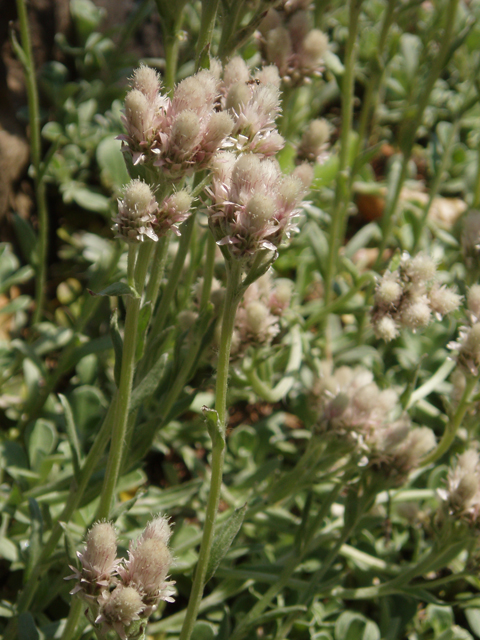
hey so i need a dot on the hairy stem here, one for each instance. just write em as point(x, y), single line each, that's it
point(342, 191)
point(232, 298)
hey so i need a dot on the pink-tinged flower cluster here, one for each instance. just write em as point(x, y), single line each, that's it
point(178, 134)
point(253, 102)
point(315, 142)
point(352, 407)
point(258, 316)
point(409, 296)
point(140, 217)
point(461, 496)
point(253, 205)
point(288, 41)
point(121, 594)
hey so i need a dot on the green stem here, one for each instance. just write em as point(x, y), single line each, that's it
point(158, 268)
point(175, 275)
point(208, 270)
point(36, 155)
point(377, 68)
point(171, 18)
point(233, 296)
point(342, 191)
point(229, 27)
point(207, 23)
point(74, 616)
point(452, 427)
point(125, 385)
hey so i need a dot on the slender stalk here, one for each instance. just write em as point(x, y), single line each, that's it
point(232, 298)
point(454, 424)
point(342, 191)
point(171, 18)
point(125, 385)
point(207, 23)
point(377, 68)
point(74, 616)
point(175, 274)
point(36, 155)
point(229, 27)
point(208, 270)
point(158, 268)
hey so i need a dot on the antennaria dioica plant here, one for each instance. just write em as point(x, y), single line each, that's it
point(250, 409)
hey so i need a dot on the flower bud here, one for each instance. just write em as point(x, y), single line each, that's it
point(186, 319)
point(388, 291)
point(470, 347)
point(279, 47)
point(123, 606)
point(290, 190)
point(185, 130)
point(238, 95)
point(256, 317)
point(219, 127)
point(181, 201)
point(304, 172)
point(271, 21)
point(260, 209)
point(149, 565)
point(101, 548)
point(146, 80)
point(137, 111)
point(268, 75)
point(386, 328)
point(267, 100)
point(158, 528)
point(189, 94)
point(236, 71)
point(421, 268)
point(314, 139)
point(298, 27)
point(246, 171)
point(416, 313)
point(136, 213)
point(314, 47)
point(443, 300)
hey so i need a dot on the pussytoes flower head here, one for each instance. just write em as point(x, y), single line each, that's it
point(173, 211)
point(288, 41)
point(314, 141)
point(121, 594)
point(98, 561)
point(409, 296)
point(353, 409)
point(178, 134)
point(461, 495)
point(148, 564)
point(136, 213)
point(119, 610)
point(253, 204)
